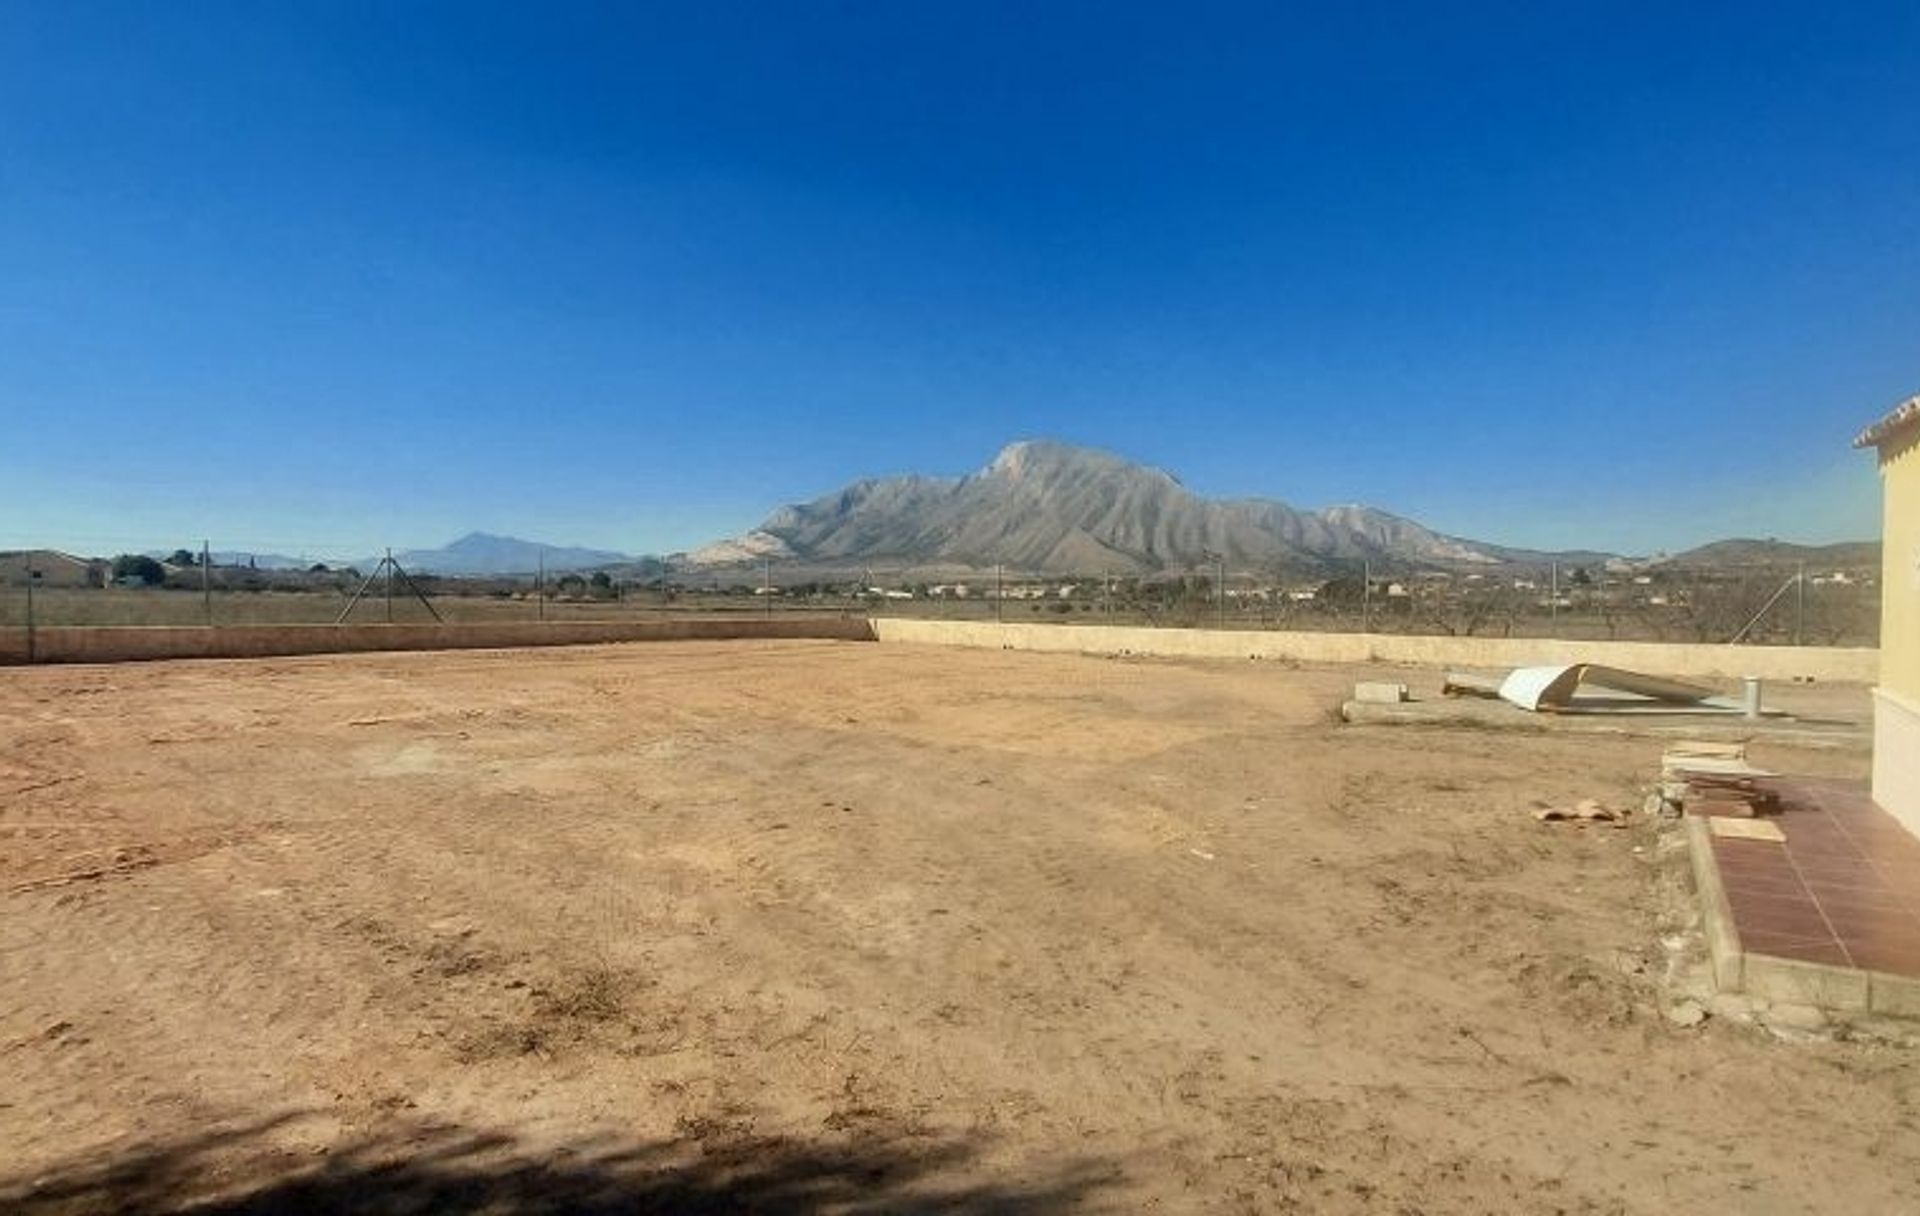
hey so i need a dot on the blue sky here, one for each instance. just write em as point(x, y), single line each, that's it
point(323, 278)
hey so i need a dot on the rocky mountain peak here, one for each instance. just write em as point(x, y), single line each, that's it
point(1043, 505)
point(1048, 459)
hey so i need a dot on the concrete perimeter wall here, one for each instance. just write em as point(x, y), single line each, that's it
point(113, 644)
point(1656, 658)
point(116, 644)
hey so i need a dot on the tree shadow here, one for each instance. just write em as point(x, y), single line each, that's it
point(244, 1170)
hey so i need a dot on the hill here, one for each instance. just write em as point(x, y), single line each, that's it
point(1743, 551)
point(485, 553)
point(1043, 506)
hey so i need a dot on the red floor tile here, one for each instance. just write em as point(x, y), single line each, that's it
point(1844, 888)
point(1866, 887)
point(1838, 862)
point(1903, 932)
point(1778, 925)
point(1762, 896)
point(1800, 949)
point(1761, 876)
point(1853, 918)
point(1893, 961)
point(1755, 852)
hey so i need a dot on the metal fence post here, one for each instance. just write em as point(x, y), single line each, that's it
point(1220, 570)
point(206, 579)
point(1800, 604)
point(30, 577)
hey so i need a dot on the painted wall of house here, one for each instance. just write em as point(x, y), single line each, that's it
point(1896, 722)
point(1900, 575)
point(55, 569)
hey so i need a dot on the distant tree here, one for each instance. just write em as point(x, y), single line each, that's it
point(1343, 592)
point(318, 568)
point(139, 566)
point(1581, 578)
point(183, 557)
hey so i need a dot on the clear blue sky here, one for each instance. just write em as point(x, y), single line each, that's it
point(328, 277)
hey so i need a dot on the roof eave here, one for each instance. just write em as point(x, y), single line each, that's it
point(1904, 417)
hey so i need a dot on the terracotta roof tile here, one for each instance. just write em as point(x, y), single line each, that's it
point(1904, 415)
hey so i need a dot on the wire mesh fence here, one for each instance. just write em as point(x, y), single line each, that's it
point(1761, 604)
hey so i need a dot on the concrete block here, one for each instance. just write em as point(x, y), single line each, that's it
point(1379, 693)
point(1894, 995)
point(1794, 982)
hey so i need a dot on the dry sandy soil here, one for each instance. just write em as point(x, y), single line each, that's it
point(814, 926)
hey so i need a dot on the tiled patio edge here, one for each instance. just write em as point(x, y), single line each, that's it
point(1723, 938)
point(1781, 979)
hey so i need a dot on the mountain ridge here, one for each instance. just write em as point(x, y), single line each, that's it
point(490, 553)
point(1043, 505)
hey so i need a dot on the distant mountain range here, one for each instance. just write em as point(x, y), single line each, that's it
point(485, 553)
point(1745, 552)
point(1043, 507)
point(1054, 507)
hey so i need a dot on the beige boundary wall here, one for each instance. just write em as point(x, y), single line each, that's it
point(1896, 756)
point(116, 644)
point(1656, 658)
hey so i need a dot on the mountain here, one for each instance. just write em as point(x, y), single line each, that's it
point(1043, 506)
point(484, 553)
point(1743, 551)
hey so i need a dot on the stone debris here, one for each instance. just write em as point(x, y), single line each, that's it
point(1707, 778)
point(1380, 693)
point(1732, 1007)
point(1746, 829)
point(1788, 1016)
point(1587, 810)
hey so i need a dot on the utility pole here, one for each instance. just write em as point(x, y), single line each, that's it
point(206, 579)
point(389, 566)
point(1220, 565)
point(31, 575)
point(1799, 604)
point(1553, 598)
point(540, 585)
point(1219, 585)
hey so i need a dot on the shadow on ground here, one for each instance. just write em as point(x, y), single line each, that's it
point(421, 1169)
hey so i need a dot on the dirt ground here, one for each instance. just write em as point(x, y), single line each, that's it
point(807, 926)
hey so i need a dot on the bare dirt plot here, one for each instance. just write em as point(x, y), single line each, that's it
point(824, 926)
